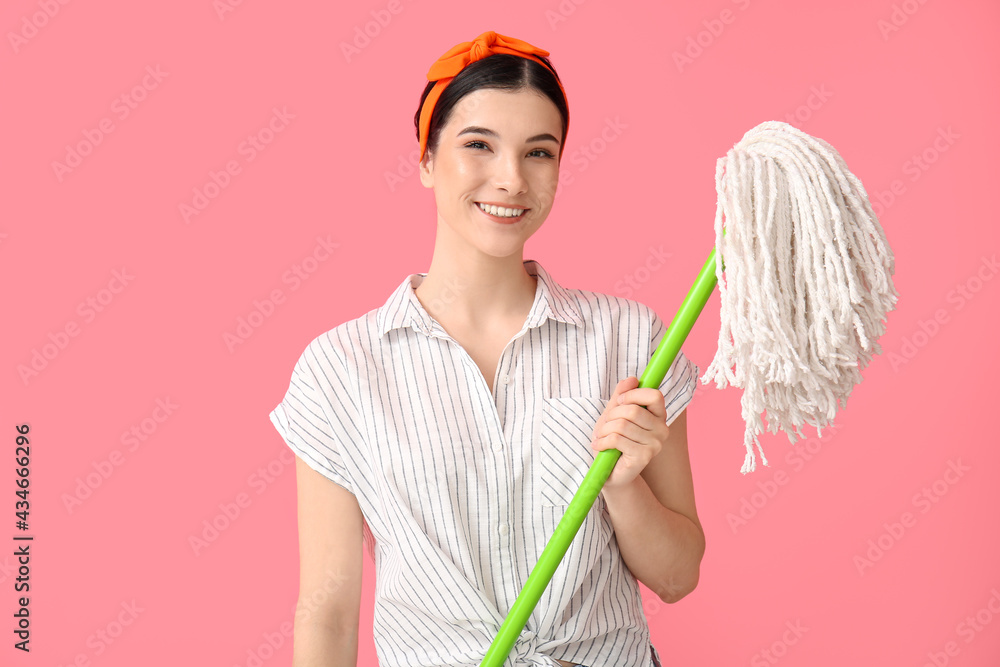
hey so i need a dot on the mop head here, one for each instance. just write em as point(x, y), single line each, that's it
point(807, 281)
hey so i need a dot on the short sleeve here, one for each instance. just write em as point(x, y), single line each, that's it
point(317, 418)
point(681, 379)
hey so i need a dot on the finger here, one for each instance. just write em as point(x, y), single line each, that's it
point(631, 449)
point(628, 434)
point(641, 418)
point(648, 397)
point(624, 444)
point(629, 383)
point(640, 395)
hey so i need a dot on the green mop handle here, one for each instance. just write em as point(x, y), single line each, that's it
point(599, 472)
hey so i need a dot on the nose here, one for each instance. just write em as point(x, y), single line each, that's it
point(508, 174)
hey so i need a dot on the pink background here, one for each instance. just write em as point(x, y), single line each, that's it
point(880, 92)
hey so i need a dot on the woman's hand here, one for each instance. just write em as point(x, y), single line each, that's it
point(638, 432)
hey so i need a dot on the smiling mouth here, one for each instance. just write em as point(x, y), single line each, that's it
point(502, 212)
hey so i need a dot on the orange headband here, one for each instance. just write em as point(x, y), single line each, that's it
point(454, 61)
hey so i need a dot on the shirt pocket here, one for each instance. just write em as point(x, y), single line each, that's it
point(565, 455)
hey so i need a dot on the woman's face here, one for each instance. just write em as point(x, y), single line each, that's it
point(498, 147)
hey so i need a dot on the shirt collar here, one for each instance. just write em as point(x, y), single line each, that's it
point(403, 309)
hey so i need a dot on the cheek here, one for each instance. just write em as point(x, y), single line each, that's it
point(547, 188)
point(467, 167)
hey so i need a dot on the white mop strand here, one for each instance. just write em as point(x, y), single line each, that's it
point(807, 282)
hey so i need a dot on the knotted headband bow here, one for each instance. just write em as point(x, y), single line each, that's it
point(458, 57)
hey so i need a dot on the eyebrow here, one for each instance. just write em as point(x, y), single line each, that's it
point(473, 129)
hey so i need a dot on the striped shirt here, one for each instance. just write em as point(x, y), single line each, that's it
point(461, 487)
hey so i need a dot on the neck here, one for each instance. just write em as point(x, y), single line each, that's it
point(468, 291)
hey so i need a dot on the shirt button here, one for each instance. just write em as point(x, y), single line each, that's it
point(506, 379)
point(503, 529)
point(497, 446)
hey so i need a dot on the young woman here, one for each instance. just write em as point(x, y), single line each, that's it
point(454, 424)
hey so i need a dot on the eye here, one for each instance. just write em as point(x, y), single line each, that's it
point(544, 153)
point(481, 144)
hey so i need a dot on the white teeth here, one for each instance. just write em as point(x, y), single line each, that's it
point(502, 212)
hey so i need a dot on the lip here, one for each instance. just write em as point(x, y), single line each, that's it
point(502, 221)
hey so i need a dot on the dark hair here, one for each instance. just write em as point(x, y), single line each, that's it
point(499, 70)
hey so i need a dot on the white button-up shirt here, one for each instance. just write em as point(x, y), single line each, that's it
point(461, 487)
